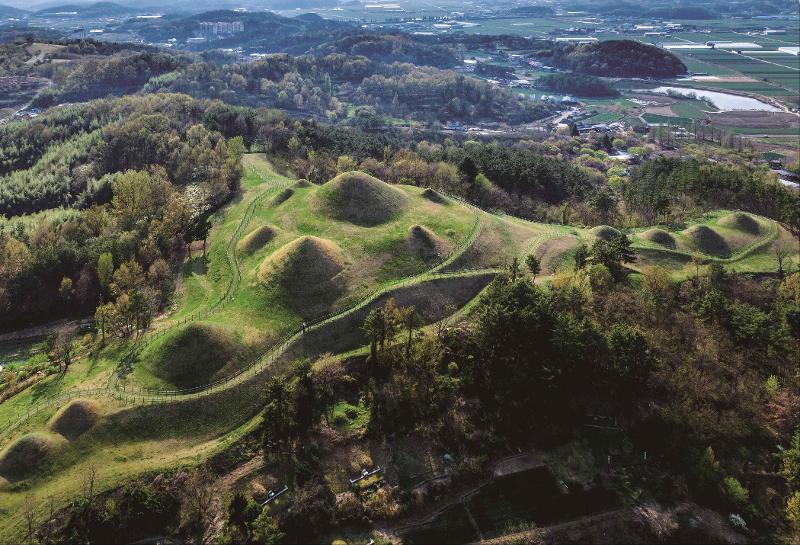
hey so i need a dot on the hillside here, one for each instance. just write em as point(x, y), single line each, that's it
point(266, 31)
point(615, 58)
point(99, 9)
point(320, 267)
point(10, 11)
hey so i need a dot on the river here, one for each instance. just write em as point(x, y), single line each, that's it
point(723, 101)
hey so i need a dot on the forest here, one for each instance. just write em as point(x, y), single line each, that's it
point(576, 84)
point(614, 58)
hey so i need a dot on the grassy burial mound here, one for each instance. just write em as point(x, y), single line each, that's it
point(282, 197)
point(660, 237)
point(604, 232)
point(433, 196)
point(195, 355)
point(707, 241)
point(27, 454)
point(360, 199)
point(301, 183)
point(256, 239)
point(310, 270)
point(740, 221)
point(423, 243)
point(76, 419)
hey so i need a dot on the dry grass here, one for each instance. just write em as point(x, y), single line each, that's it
point(551, 252)
point(360, 199)
point(76, 419)
point(256, 239)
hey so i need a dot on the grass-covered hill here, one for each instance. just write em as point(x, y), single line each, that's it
point(282, 253)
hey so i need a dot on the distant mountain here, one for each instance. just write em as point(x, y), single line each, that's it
point(99, 9)
point(262, 30)
point(8, 11)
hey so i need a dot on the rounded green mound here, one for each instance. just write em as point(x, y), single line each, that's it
point(76, 419)
point(195, 354)
point(301, 183)
point(25, 455)
point(604, 232)
point(360, 199)
point(282, 197)
point(256, 239)
point(423, 242)
point(741, 222)
point(707, 241)
point(302, 264)
point(659, 236)
point(433, 196)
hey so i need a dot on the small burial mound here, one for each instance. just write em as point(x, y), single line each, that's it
point(282, 197)
point(195, 354)
point(360, 199)
point(256, 239)
point(423, 243)
point(76, 419)
point(708, 241)
point(25, 455)
point(659, 236)
point(301, 183)
point(604, 232)
point(741, 222)
point(433, 196)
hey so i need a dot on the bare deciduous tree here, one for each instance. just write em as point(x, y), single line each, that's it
point(198, 503)
point(782, 253)
point(29, 514)
point(89, 479)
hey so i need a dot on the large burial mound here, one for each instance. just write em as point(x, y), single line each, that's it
point(256, 239)
point(26, 454)
point(195, 354)
point(76, 418)
point(741, 222)
point(423, 243)
point(708, 241)
point(359, 198)
point(604, 232)
point(659, 236)
point(309, 270)
point(301, 183)
point(303, 263)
